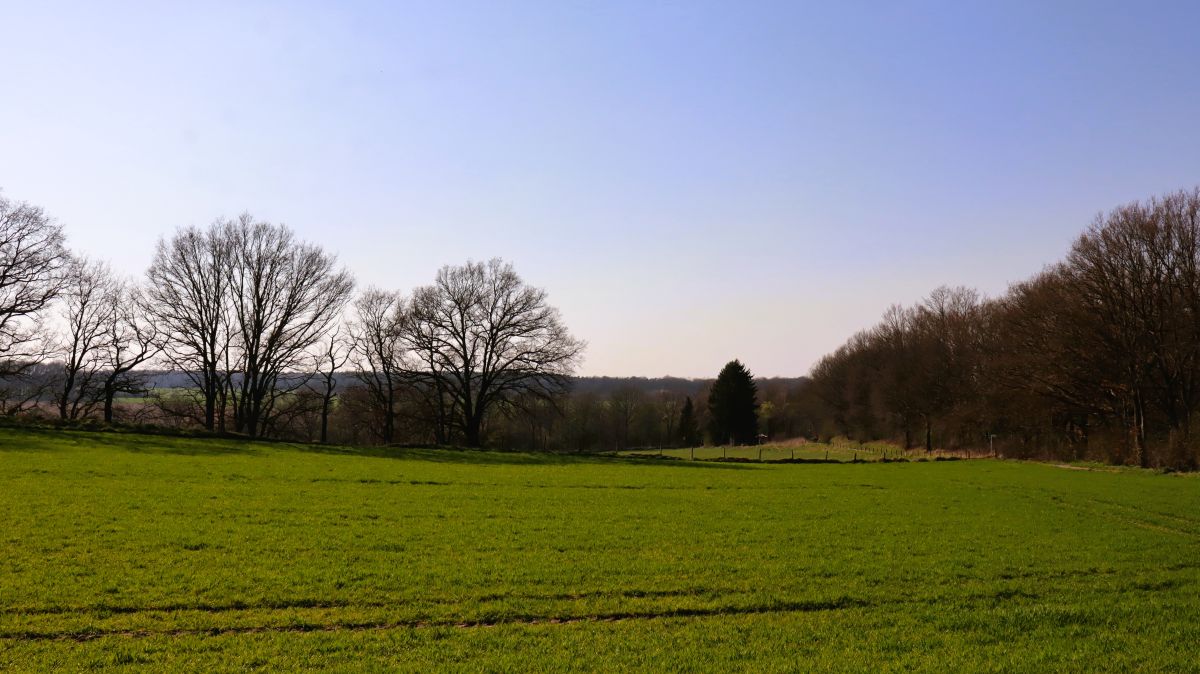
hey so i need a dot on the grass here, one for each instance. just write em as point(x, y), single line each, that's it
point(811, 452)
point(130, 552)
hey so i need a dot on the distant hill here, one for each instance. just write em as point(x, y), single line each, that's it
point(597, 385)
point(679, 385)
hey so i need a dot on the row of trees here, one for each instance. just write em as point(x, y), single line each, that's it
point(266, 330)
point(1097, 356)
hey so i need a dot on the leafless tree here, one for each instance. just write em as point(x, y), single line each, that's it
point(1103, 345)
point(1135, 274)
point(240, 305)
point(131, 340)
point(187, 293)
point(333, 355)
point(946, 326)
point(494, 338)
point(32, 265)
point(669, 406)
point(379, 352)
point(1047, 356)
point(624, 404)
point(88, 308)
point(423, 347)
point(285, 295)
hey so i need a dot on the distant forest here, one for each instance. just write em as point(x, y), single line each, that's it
point(1097, 357)
point(592, 414)
point(603, 386)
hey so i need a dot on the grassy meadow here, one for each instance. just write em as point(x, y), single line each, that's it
point(131, 552)
point(807, 452)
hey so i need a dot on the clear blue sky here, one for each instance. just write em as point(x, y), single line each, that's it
point(691, 182)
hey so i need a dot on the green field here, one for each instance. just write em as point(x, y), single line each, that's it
point(811, 452)
point(138, 552)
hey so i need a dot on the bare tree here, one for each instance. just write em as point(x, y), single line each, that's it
point(946, 331)
point(379, 352)
point(131, 340)
point(187, 293)
point(623, 406)
point(333, 355)
point(89, 304)
point(285, 295)
point(669, 406)
point(423, 346)
point(1135, 273)
point(1047, 356)
point(494, 338)
point(32, 264)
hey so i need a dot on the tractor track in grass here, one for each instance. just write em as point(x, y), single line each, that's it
point(651, 613)
point(842, 603)
point(528, 620)
point(1129, 516)
point(317, 604)
point(1113, 511)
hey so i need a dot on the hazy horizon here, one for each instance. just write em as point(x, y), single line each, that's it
point(691, 184)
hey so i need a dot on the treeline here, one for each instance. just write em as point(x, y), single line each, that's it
point(660, 414)
point(241, 328)
point(266, 329)
point(1097, 357)
point(591, 414)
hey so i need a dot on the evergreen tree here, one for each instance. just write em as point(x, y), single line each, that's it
point(689, 430)
point(733, 407)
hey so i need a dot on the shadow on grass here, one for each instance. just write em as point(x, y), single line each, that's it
point(155, 444)
point(34, 439)
point(496, 457)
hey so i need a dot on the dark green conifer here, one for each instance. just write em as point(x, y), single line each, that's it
point(733, 407)
point(689, 430)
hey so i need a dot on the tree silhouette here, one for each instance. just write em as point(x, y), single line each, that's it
point(689, 430)
point(733, 406)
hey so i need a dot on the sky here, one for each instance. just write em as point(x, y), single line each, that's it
point(691, 182)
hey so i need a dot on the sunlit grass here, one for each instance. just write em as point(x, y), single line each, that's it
point(813, 452)
point(138, 551)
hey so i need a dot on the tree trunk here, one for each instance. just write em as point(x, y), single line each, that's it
point(109, 394)
point(389, 418)
point(66, 394)
point(210, 402)
point(1140, 430)
point(441, 436)
point(253, 411)
point(325, 402)
point(474, 426)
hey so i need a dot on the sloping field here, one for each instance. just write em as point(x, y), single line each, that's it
point(140, 552)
